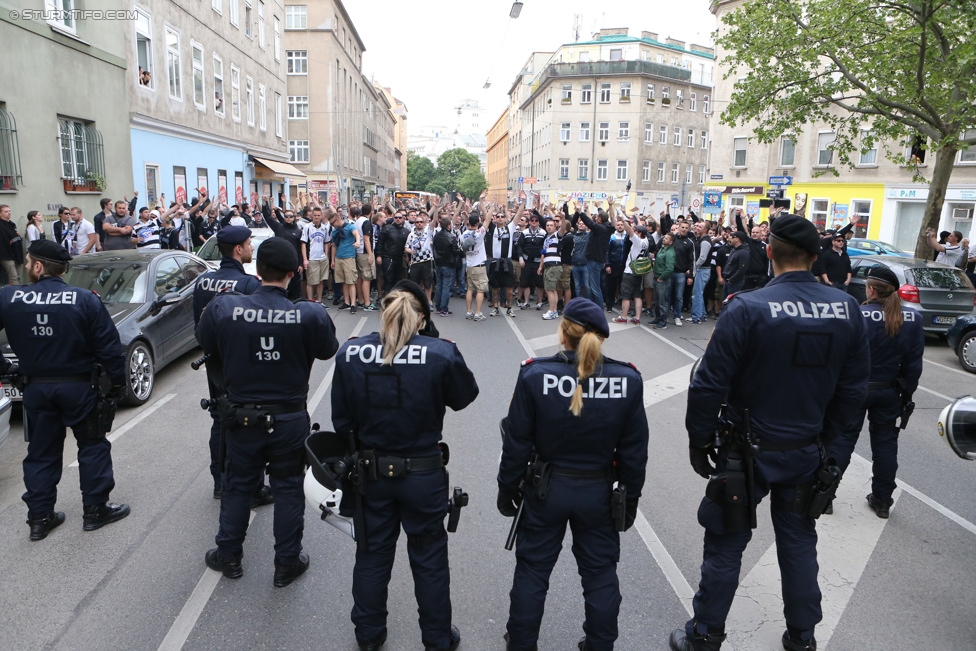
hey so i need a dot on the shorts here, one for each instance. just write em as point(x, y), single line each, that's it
point(551, 275)
point(631, 286)
point(422, 273)
point(477, 279)
point(565, 280)
point(501, 273)
point(345, 271)
point(530, 275)
point(318, 270)
point(365, 269)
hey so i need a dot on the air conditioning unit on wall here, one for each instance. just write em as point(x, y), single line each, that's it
point(962, 213)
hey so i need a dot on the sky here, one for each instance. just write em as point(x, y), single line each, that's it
point(435, 53)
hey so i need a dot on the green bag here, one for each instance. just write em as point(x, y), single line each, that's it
point(641, 265)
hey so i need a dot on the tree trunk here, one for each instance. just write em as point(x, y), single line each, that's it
point(945, 159)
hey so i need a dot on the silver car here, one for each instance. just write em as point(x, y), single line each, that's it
point(211, 254)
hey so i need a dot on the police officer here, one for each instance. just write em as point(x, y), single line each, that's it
point(391, 388)
point(234, 244)
point(267, 345)
point(813, 340)
point(582, 414)
point(897, 343)
point(59, 333)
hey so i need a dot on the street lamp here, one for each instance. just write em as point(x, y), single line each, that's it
point(516, 9)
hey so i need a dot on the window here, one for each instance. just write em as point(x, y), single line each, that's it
point(787, 152)
point(563, 168)
point(674, 173)
point(705, 104)
point(621, 170)
point(818, 212)
point(82, 156)
point(660, 172)
point(584, 131)
point(567, 94)
point(665, 95)
point(249, 98)
point(650, 93)
point(689, 170)
point(235, 93)
point(584, 169)
point(704, 140)
point(601, 170)
point(297, 62)
point(298, 107)
point(564, 130)
point(584, 57)
point(677, 137)
point(623, 131)
point(648, 133)
point(10, 174)
point(604, 134)
point(693, 102)
point(63, 20)
point(144, 51)
point(296, 17)
point(674, 61)
point(691, 137)
point(173, 64)
point(298, 150)
point(279, 127)
point(663, 135)
point(234, 15)
point(625, 91)
point(248, 19)
point(262, 108)
point(679, 97)
point(616, 54)
point(968, 155)
point(825, 155)
point(739, 152)
point(277, 38)
point(868, 156)
point(199, 97)
point(861, 208)
point(218, 68)
point(261, 42)
point(586, 94)
point(701, 175)
point(604, 93)
point(646, 177)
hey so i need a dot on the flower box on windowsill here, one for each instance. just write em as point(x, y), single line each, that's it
point(650, 100)
point(7, 184)
point(625, 100)
point(83, 186)
point(665, 101)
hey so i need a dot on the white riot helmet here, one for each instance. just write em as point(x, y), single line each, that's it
point(957, 423)
point(326, 481)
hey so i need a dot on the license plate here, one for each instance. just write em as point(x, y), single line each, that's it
point(944, 320)
point(11, 392)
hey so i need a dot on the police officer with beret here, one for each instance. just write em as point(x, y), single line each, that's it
point(578, 417)
point(267, 345)
point(897, 344)
point(234, 244)
point(813, 340)
point(391, 389)
point(59, 334)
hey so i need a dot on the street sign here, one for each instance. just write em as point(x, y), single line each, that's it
point(716, 177)
point(531, 180)
point(774, 194)
point(781, 180)
point(521, 180)
point(696, 203)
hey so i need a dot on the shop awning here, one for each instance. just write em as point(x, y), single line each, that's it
point(279, 168)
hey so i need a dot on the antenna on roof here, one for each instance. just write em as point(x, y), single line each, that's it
point(577, 27)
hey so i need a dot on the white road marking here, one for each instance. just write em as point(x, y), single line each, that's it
point(949, 368)
point(193, 608)
point(133, 422)
point(521, 338)
point(548, 341)
point(670, 343)
point(327, 380)
point(936, 393)
point(666, 386)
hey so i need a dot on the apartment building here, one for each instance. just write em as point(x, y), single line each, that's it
point(497, 160)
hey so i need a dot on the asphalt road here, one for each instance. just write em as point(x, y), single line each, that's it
point(904, 583)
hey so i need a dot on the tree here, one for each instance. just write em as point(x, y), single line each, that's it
point(436, 187)
point(473, 183)
point(892, 72)
point(452, 165)
point(420, 172)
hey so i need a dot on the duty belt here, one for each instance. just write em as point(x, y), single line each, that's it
point(274, 408)
point(397, 466)
point(58, 379)
point(881, 386)
point(786, 446)
point(541, 472)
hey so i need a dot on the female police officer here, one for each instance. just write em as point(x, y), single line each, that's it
point(391, 388)
point(582, 415)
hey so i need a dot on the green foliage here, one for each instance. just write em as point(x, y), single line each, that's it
point(452, 165)
point(420, 172)
point(436, 187)
point(473, 183)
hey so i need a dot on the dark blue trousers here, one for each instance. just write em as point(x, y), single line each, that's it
point(585, 505)
point(49, 409)
point(796, 549)
point(248, 451)
point(883, 407)
point(416, 501)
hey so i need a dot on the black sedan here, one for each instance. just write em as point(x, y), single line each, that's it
point(962, 339)
point(149, 295)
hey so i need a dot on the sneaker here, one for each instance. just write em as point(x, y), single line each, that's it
point(469, 315)
point(371, 308)
point(620, 319)
point(696, 321)
point(882, 510)
point(479, 317)
point(522, 305)
point(660, 326)
point(441, 313)
point(352, 309)
point(677, 321)
point(98, 515)
point(538, 305)
point(550, 315)
point(40, 527)
point(635, 320)
point(510, 312)
point(494, 312)
point(344, 306)
point(285, 574)
point(230, 568)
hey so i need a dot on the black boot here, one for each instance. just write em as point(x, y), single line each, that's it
point(40, 527)
point(679, 641)
point(229, 567)
point(262, 497)
point(99, 515)
point(582, 644)
point(880, 508)
point(375, 645)
point(793, 642)
point(285, 574)
point(455, 641)
point(830, 508)
point(508, 647)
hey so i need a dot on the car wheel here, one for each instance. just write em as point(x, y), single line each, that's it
point(967, 351)
point(141, 374)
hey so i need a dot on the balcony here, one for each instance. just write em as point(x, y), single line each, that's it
point(603, 68)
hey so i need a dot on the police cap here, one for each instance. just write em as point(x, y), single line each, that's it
point(797, 231)
point(588, 314)
point(278, 253)
point(884, 274)
point(233, 235)
point(49, 251)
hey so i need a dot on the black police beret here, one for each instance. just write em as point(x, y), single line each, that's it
point(278, 253)
point(588, 314)
point(797, 231)
point(48, 250)
point(884, 274)
point(233, 234)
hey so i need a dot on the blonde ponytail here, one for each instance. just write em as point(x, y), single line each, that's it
point(589, 357)
point(400, 321)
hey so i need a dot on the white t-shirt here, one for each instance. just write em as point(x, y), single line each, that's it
point(237, 220)
point(638, 245)
point(361, 224)
point(317, 238)
point(148, 234)
point(78, 236)
point(950, 256)
point(476, 240)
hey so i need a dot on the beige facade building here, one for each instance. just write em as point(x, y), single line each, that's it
point(497, 160)
point(882, 193)
point(399, 111)
point(613, 116)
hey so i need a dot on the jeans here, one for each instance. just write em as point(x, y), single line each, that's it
point(580, 280)
point(698, 293)
point(678, 282)
point(594, 273)
point(445, 281)
point(662, 299)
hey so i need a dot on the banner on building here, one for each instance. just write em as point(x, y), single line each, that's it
point(179, 180)
point(222, 188)
point(800, 204)
point(239, 188)
point(569, 197)
point(752, 210)
point(839, 216)
point(713, 202)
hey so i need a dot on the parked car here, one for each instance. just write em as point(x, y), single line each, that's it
point(149, 295)
point(211, 255)
point(962, 339)
point(939, 292)
point(858, 246)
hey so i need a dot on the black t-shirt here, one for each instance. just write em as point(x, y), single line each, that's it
point(836, 266)
point(566, 244)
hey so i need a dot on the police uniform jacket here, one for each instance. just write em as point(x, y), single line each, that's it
point(267, 344)
point(795, 353)
point(230, 277)
point(59, 330)
point(399, 409)
point(898, 358)
point(611, 427)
